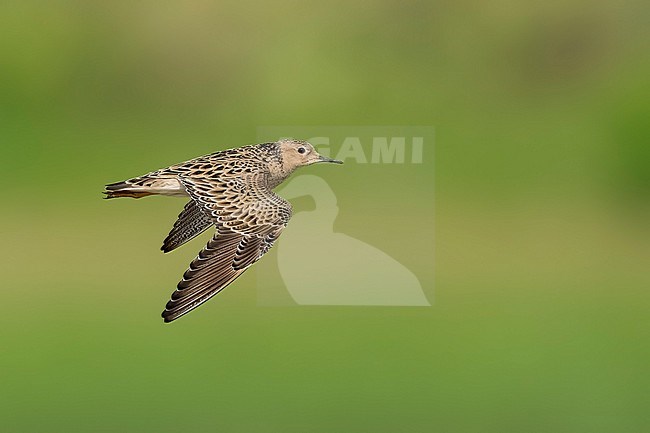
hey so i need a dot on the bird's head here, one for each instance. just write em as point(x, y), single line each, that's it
point(297, 153)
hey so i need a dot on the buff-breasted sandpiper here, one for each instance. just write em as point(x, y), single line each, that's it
point(231, 190)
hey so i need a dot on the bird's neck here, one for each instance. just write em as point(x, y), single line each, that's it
point(278, 174)
point(279, 171)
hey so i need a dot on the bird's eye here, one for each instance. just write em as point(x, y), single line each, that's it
point(301, 150)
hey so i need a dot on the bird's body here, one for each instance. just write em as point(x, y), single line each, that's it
point(231, 190)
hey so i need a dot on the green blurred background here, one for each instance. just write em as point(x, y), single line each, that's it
point(542, 198)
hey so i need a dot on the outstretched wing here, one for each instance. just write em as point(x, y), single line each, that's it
point(191, 222)
point(249, 218)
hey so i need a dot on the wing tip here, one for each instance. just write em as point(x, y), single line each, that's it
point(168, 316)
point(116, 186)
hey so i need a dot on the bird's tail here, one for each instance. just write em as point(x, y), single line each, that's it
point(143, 186)
point(124, 189)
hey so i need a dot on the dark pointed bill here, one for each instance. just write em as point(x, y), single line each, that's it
point(326, 159)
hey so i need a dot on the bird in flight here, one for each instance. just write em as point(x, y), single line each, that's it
point(231, 190)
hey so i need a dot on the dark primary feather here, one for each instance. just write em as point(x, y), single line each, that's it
point(226, 256)
point(209, 273)
point(191, 222)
